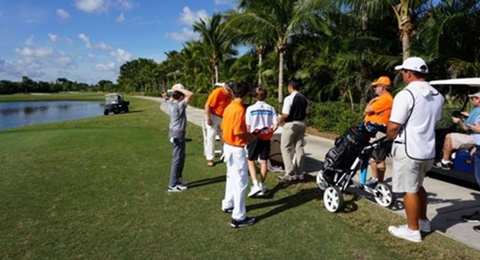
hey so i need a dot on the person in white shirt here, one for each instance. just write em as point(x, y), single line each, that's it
point(415, 111)
point(261, 119)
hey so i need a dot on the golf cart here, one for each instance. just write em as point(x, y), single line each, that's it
point(114, 103)
point(462, 171)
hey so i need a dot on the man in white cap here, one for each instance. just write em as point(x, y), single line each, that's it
point(415, 111)
point(178, 123)
point(216, 103)
point(454, 141)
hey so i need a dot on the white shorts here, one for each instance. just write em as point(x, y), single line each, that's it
point(407, 173)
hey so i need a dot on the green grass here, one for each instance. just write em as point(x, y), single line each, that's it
point(96, 188)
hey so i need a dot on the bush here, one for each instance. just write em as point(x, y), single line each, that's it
point(334, 117)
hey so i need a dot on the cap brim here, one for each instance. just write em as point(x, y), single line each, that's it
point(218, 84)
point(399, 67)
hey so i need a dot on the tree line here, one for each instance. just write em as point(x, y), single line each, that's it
point(335, 47)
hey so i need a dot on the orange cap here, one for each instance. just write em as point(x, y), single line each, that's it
point(384, 80)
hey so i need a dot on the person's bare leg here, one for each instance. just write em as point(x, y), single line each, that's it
point(380, 171)
point(422, 196)
point(263, 170)
point(411, 203)
point(253, 171)
point(447, 148)
point(373, 166)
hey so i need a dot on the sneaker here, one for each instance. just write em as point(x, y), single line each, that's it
point(476, 228)
point(227, 210)
point(475, 217)
point(182, 182)
point(210, 163)
point(254, 191)
point(264, 190)
point(371, 183)
point(445, 166)
point(287, 177)
point(404, 232)
point(425, 225)
point(243, 223)
point(177, 188)
point(300, 177)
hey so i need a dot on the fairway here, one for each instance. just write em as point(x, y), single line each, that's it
point(97, 188)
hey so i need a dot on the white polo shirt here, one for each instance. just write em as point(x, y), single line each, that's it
point(417, 107)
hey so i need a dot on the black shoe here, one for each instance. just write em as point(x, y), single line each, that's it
point(228, 210)
point(444, 166)
point(475, 217)
point(243, 223)
point(476, 228)
point(371, 183)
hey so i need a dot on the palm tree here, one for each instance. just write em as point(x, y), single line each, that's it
point(216, 41)
point(406, 12)
point(273, 22)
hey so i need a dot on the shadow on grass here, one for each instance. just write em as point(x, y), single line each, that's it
point(286, 203)
point(203, 182)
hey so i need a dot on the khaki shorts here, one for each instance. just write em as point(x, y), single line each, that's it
point(380, 154)
point(407, 173)
point(459, 139)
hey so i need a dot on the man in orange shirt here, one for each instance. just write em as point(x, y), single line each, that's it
point(235, 137)
point(216, 103)
point(377, 114)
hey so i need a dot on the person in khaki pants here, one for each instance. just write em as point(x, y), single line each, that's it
point(293, 116)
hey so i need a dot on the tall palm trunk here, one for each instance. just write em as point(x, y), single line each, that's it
point(260, 50)
point(280, 78)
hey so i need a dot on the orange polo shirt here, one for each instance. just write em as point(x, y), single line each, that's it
point(382, 108)
point(233, 124)
point(218, 100)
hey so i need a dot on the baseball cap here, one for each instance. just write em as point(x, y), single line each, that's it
point(413, 64)
point(178, 85)
point(220, 84)
point(475, 95)
point(383, 80)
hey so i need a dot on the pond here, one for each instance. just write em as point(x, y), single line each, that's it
point(16, 114)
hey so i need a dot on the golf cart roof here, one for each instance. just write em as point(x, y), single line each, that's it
point(472, 82)
point(113, 94)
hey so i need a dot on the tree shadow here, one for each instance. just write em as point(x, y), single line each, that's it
point(286, 203)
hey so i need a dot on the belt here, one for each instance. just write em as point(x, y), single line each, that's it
point(239, 146)
point(398, 142)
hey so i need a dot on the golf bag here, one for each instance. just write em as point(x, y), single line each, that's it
point(347, 148)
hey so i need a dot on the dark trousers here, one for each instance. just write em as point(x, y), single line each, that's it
point(178, 160)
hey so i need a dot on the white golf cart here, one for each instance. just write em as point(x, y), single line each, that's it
point(114, 103)
point(462, 171)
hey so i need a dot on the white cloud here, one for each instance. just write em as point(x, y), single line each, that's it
point(185, 35)
point(120, 18)
point(225, 2)
point(121, 55)
point(38, 53)
point(105, 67)
point(85, 39)
point(29, 40)
point(69, 41)
point(52, 37)
point(91, 6)
point(91, 56)
point(103, 46)
point(188, 17)
point(63, 14)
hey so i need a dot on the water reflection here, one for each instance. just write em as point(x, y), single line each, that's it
point(15, 114)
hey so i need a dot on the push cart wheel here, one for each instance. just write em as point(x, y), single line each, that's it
point(384, 195)
point(321, 182)
point(105, 112)
point(333, 199)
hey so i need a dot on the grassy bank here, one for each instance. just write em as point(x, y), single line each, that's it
point(96, 188)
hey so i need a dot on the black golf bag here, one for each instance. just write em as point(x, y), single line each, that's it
point(347, 147)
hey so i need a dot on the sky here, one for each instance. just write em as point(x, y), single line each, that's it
point(88, 40)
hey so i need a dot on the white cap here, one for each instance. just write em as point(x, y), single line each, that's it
point(413, 64)
point(475, 95)
point(178, 85)
point(220, 84)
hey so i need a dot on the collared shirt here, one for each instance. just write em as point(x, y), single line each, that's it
point(295, 106)
point(260, 115)
point(233, 124)
point(218, 100)
point(382, 108)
